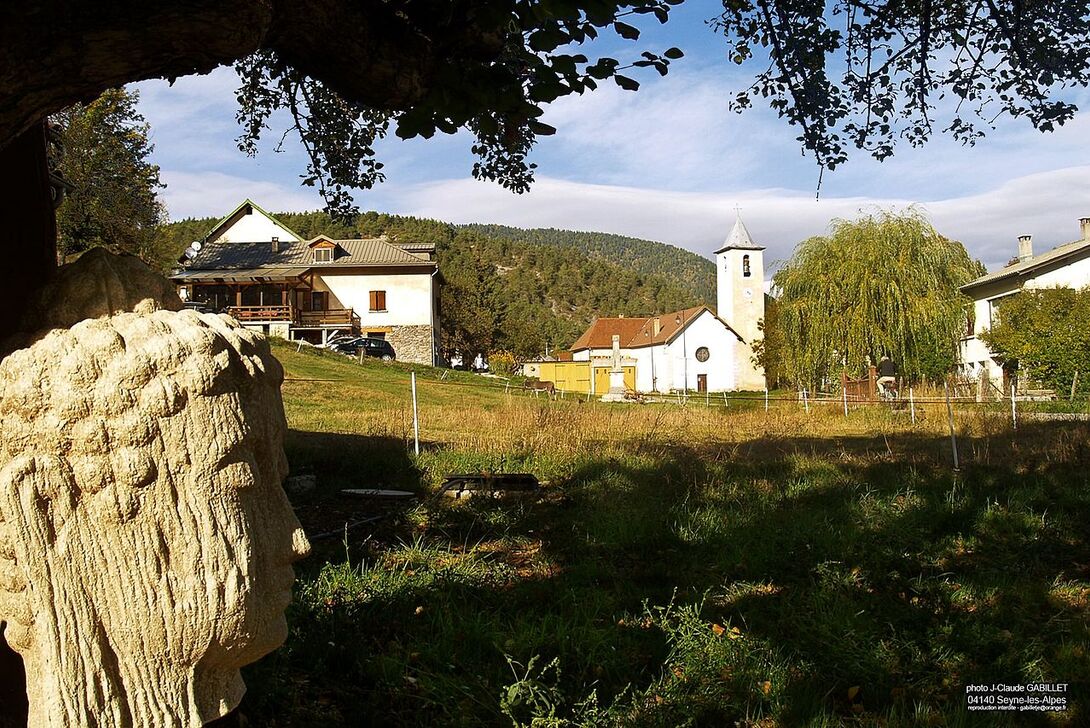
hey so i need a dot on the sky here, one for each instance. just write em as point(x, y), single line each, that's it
point(670, 162)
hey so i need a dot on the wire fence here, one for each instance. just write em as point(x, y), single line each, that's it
point(1075, 402)
point(949, 410)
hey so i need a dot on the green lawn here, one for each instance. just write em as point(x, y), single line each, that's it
point(698, 566)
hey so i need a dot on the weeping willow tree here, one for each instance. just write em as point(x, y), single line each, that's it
point(886, 283)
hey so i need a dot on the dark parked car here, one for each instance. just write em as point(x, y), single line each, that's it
point(379, 348)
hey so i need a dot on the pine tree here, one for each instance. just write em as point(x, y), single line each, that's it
point(114, 197)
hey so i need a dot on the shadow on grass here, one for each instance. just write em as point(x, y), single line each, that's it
point(842, 562)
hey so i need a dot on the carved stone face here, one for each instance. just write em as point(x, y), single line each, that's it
point(146, 544)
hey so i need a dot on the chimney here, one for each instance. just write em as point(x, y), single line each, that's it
point(1025, 248)
point(276, 245)
point(656, 327)
point(1084, 224)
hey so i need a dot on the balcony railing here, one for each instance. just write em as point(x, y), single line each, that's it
point(331, 317)
point(335, 317)
point(261, 313)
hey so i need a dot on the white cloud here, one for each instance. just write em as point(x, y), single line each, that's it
point(1046, 204)
point(667, 163)
point(211, 194)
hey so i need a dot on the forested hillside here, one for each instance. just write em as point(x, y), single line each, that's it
point(693, 271)
point(505, 292)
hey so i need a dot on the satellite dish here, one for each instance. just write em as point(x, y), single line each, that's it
point(196, 245)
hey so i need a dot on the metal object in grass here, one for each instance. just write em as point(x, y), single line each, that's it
point(378, 493)
point(492, 485)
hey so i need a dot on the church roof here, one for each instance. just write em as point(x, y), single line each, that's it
point(739, 238)
point(599, 335)
point(640, 331)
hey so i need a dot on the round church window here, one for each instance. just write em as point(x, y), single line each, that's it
point(702, 354)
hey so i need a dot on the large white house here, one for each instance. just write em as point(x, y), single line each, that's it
point(695, 349)
point(1065, 266)
point(255, 268)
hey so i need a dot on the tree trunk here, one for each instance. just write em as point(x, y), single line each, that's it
point(29, 237)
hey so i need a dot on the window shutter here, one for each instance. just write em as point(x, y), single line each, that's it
point(381, 299)
point(374, 300)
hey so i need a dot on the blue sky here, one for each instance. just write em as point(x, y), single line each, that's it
point(669, 162)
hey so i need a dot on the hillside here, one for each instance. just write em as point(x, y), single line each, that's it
point(507, 288)
point(692, 271)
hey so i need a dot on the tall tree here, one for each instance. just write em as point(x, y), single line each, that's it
point(885, 283)
point(113, 200)
point(470, 301)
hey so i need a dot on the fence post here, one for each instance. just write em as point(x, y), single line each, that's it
point(1014, 409)
point(766, 399)
point(950, 417)
point(805, 401)
point(912, 405)
point(416, 419)
point(1074, 383)
point(844, 391)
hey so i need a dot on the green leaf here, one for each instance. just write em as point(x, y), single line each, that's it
point(541, 129)
point(626, 31)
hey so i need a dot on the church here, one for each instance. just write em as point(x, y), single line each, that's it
point(696, 349)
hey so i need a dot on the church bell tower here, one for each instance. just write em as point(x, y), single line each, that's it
point(740, 299)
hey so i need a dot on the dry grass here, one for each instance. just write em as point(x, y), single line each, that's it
point(685, 565)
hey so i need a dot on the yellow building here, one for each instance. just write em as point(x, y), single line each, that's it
point(581, 377)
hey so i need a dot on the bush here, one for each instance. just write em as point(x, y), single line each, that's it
point(1045, 333)
point(502, 363)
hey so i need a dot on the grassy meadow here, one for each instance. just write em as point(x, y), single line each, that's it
point(703, 566)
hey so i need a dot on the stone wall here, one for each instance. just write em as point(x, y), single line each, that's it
point(412, 344)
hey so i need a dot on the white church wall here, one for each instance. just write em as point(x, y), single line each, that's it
point(708, 332)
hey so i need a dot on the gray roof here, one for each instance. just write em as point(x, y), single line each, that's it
point(739, 238)
point(220, 256)
point(230, 275)
point(1024, 268)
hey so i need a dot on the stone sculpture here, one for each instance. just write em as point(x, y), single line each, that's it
point(146, 544)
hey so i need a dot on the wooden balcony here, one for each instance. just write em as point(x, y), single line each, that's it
point(261, 313)
point(332, 318)
point(338, 317)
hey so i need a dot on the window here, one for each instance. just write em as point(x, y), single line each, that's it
point(745, 266)
point(378, 300)
point(323, 255)
point(318, 300)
